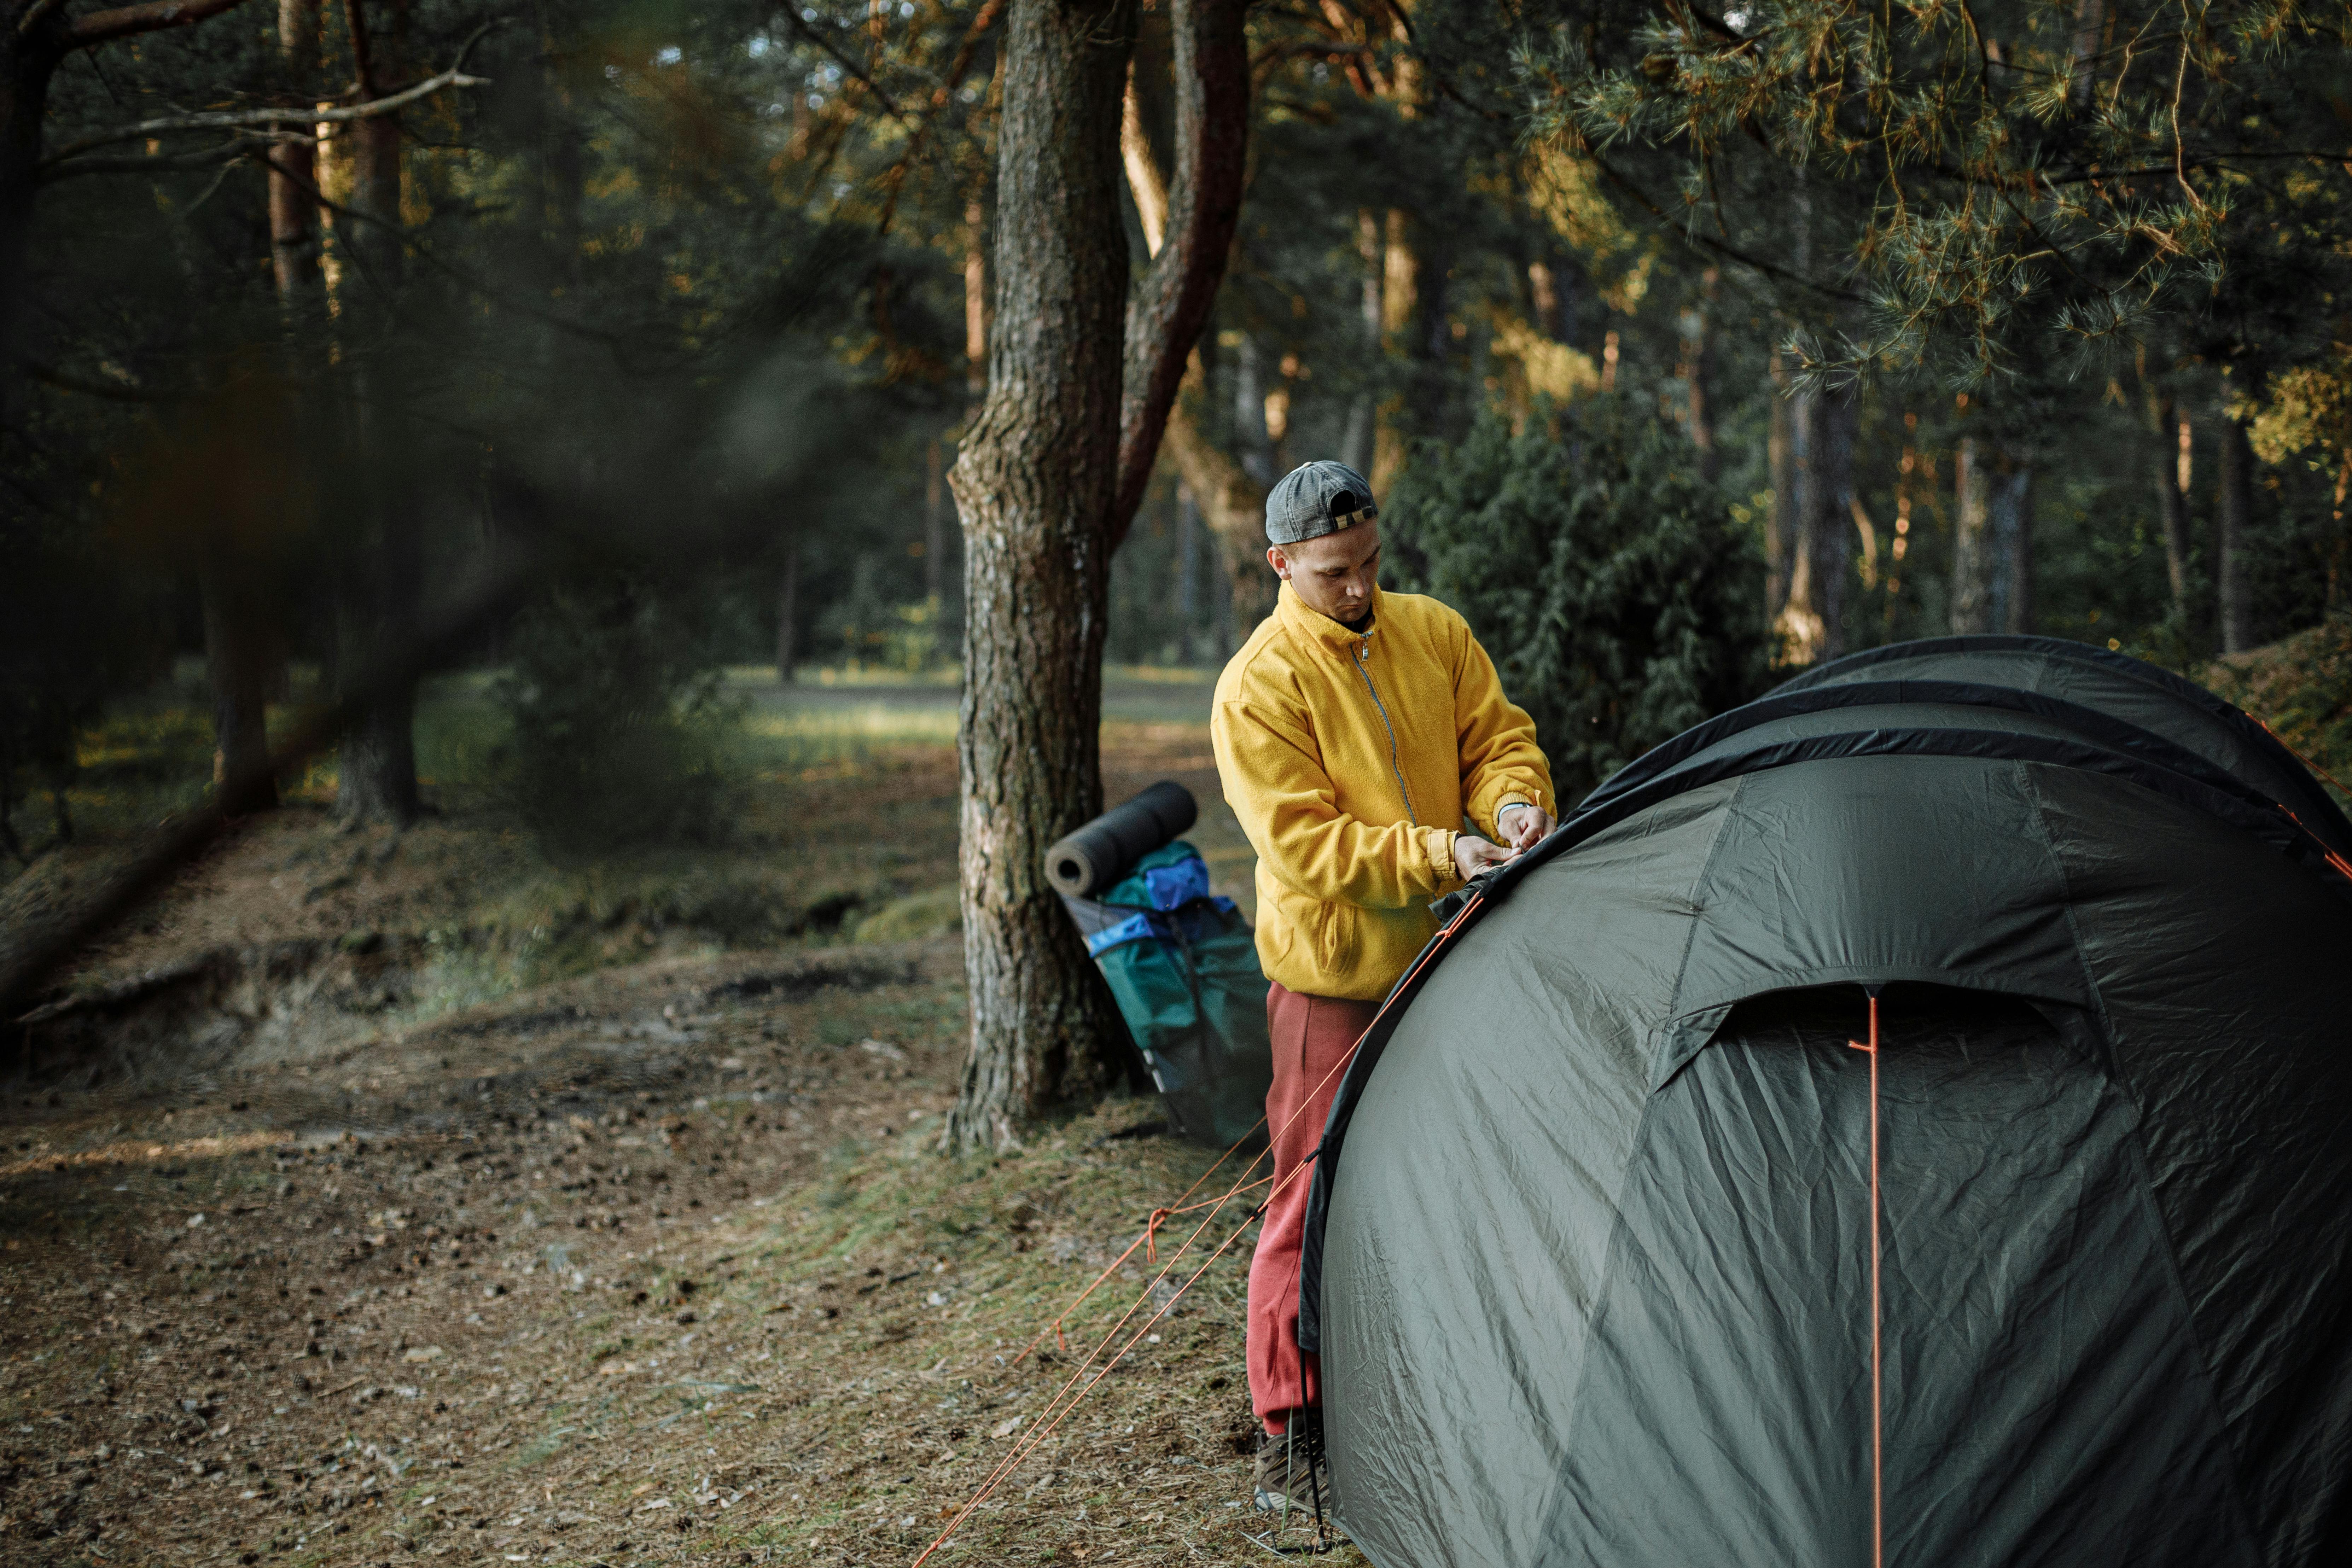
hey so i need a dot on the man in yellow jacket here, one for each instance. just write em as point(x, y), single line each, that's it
point(1356, 734)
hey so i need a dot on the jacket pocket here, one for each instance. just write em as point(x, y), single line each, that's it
point(1339, 937)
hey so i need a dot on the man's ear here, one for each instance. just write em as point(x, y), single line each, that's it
point(1280, 562)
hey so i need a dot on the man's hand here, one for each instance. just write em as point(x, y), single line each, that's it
point(1526, 825)
point(1473, 854)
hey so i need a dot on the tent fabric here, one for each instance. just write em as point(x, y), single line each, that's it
point(1588, 1252)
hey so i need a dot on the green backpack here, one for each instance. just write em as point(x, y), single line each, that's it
point(1183, 966)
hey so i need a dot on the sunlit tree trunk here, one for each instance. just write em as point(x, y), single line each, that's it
point(1356, 439)
point(1080, 385)
point(1798, 484)
point(293, 170)
point(1034, 483)
point(1972, 480)
point(385, 578)
point(1400, 292)
point(2171, 460)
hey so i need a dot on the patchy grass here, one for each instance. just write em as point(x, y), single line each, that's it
point(2301, 688)
point(592, 1213)
point(659, 1266)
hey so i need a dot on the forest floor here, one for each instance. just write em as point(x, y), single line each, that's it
point(410, 1198)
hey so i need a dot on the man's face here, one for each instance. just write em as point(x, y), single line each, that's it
point(1333, 574)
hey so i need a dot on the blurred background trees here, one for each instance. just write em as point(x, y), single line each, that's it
point(1751, 336)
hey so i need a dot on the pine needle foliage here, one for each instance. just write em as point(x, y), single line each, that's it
point(2010, 185)
point(1619, 601)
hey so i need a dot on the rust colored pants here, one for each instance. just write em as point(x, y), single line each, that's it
point(1312, 1036)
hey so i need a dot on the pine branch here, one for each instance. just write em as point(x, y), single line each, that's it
point(244, 119)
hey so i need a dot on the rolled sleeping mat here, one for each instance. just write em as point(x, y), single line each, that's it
point(1100, 853)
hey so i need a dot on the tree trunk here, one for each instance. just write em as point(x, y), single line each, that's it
point(378, 772)
point(975, 301)
point(293, 169)
point(1829, 502)
point(1188, 570)
point(1034, 484)
point(2012, 600)
point(1800, 625)
point(788, 593)
point(2090, 19)
point(1250, 437)
point(2236, 520)
point(934, 517)
point(1233, 505)
point(1697, 371)
point(1973, 479)
point(1400, 290)
point(2172, 439)
point(236, 652)
point(1780, 519)
point(27, 63)
point(1356, 439)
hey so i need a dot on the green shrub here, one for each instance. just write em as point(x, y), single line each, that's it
point(1619, 601)
point(617, 714)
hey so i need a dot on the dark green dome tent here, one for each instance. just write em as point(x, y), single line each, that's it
point(1590, 1256)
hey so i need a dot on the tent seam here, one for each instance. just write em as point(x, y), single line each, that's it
point(1619, 1232)
point(2144, 1189)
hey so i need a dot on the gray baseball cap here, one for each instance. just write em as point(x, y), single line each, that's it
point(1315, 499)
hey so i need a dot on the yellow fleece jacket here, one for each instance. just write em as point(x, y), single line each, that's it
point(1353, 760)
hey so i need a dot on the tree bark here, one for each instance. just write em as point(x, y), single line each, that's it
point(2090, 19)
point(1204, 212)
point(1800, 624)
point(1188, 570)
point(27, 63)
point(2011, 603)
point(1034, 483)
point(934, 517)
point(1250, 437)
point(1697, 371)
point(1232, 503)
point(2236, 528)
point(1080, 385)
point(1830, 514)
point(236, 653)
point(975, 301)
point(2172, 437)
point(1972, 480)
point(1780, 522)
point(377, 780)
point(293, 170)
point(1356, 439)
point(1399, 292)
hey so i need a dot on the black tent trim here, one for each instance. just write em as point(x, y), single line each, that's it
point(2128, 738)
point(2273, 825)
point(2320, 810)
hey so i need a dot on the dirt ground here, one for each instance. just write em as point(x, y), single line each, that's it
point(323, 1262)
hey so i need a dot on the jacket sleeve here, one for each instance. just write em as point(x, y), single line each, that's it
point(1500, 759)
point(1275, 784)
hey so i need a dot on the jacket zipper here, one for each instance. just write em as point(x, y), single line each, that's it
point(1364, 668)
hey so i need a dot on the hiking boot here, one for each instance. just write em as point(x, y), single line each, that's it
point(1291, 1474)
